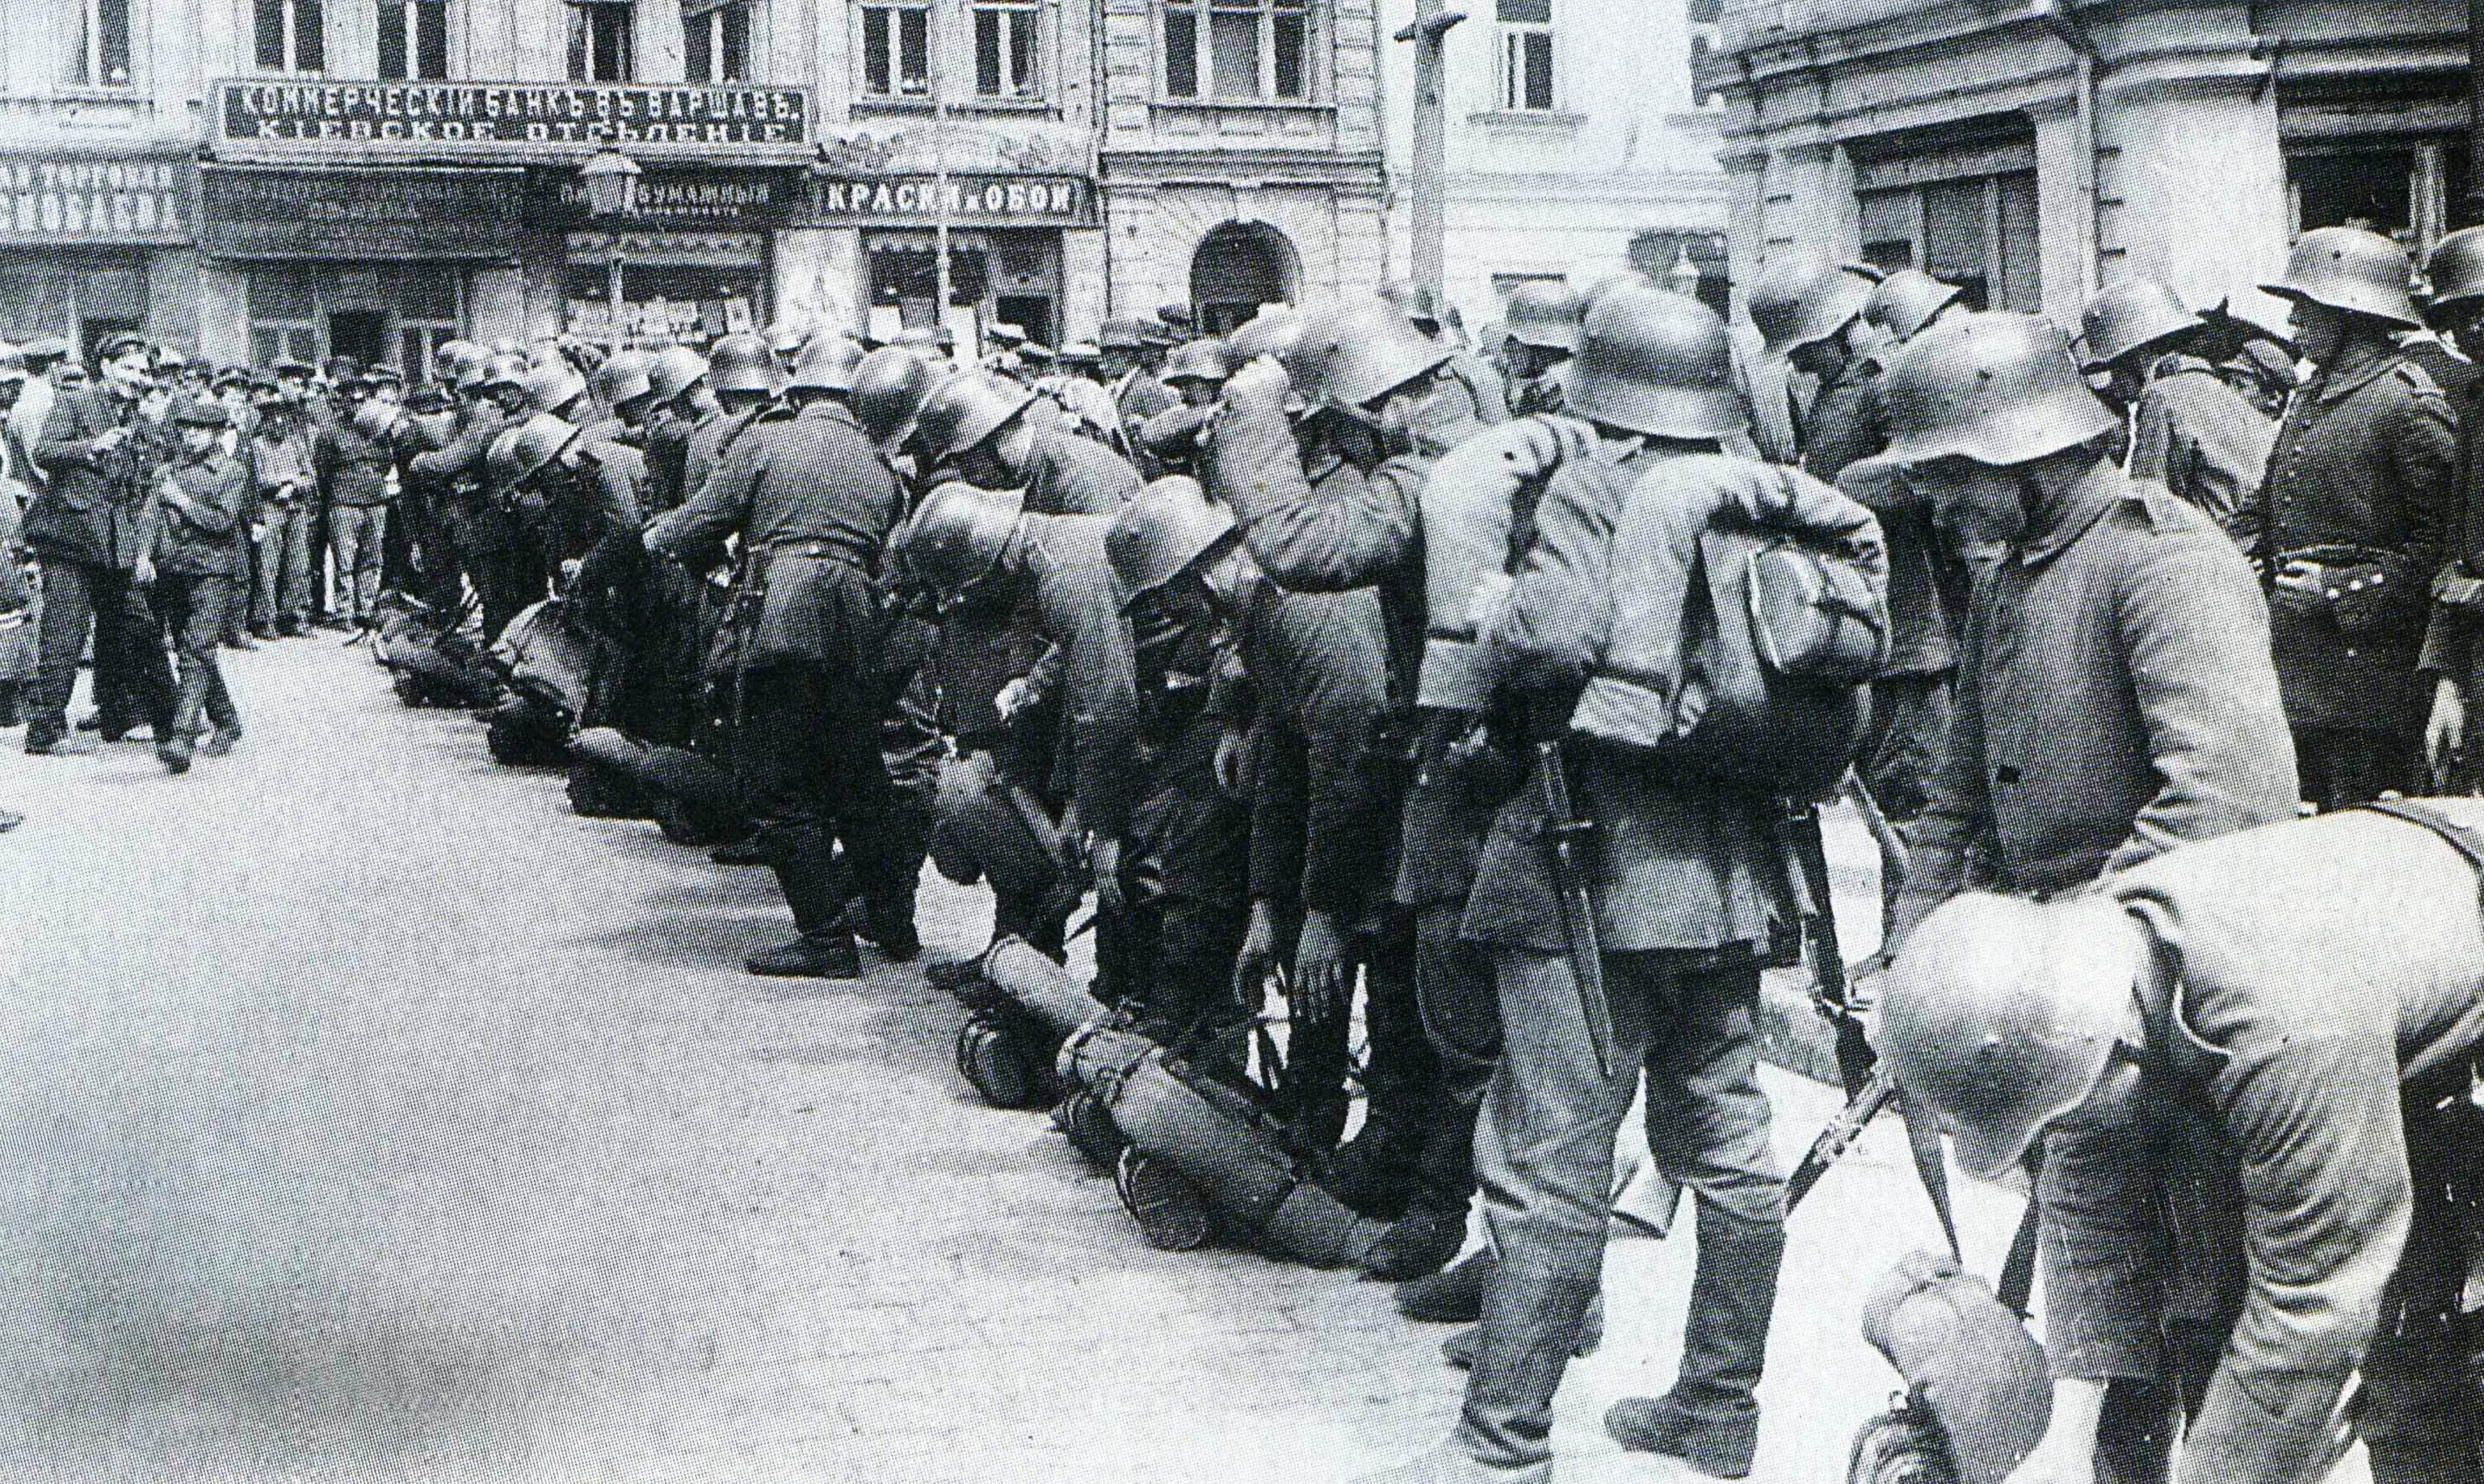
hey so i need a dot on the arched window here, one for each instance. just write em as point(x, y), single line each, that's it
point(1238, 267)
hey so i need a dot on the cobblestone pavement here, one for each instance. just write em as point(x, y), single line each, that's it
point(373, 1118)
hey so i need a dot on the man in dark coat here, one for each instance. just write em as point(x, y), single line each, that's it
point(2355, 517)
point(204, 496)
point(2116, 698)
point(482, 533)
point(94, 530)
point(2190, 431)
point(814, 504)
point(2275, 1034)
point(1334, 505)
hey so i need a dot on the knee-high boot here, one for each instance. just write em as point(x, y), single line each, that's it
point(1710, 1418)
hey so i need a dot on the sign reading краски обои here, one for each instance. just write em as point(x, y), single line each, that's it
point(463, 113)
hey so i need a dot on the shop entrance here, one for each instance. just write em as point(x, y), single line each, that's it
point(359, 336)
point(1238, 267)
point(675, 286)
point(1003, 277)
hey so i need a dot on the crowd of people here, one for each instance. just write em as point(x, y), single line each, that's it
point(1494, 690)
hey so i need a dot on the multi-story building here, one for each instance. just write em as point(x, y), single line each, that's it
point(1241, 153)
point(1578, 143)
point(2033, 149)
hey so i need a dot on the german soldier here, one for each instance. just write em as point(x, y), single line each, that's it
point(2449, 653)
point(2115, 696)
point(1487, 397)
point(743, 381)
point(2191, 432)
point(204, 496)
point(2356, 517)
point(1542, 327)
point(814, 504)
point(1689, 902)
point(1910, 302)
point(477, 528)
point(94, 530)
point(682, 400)
point(985, 549)
point(2275, 1035)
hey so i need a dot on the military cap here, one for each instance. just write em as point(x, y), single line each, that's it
point(1010, 335)
point(1035, 352)
point(199, 412)
point(1123, 334)
point(293, 368)
point(427, 398)
point(46, 347)
point(197, 366)
point(12, 362)
point(1081, 353)
point(231, 376)
point(384, 373)
point(119, 345)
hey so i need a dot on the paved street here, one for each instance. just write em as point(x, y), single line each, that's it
point(372, 1116)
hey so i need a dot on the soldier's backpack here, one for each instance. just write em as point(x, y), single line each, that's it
point(1978, 1394)
point(1749, 616)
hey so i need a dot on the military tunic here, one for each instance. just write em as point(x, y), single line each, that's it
point(2203, 441)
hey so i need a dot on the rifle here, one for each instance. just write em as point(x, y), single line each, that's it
point(1567, 838)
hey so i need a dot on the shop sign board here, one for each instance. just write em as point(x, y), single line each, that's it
point(351, 116)
point(677, 196)
point(386, 212)
point(62, 200)
point(973, 200)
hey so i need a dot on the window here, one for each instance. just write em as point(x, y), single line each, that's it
point(414, 39)
point(284, 316)
point(1006, 65)
point(1526, 55)
point(897, 50)
point(1978, 232)
point(289, 35)
point(598, 40)
point(716, 41)
point(1240, 50)
point(97, 54)
point(1706, 36)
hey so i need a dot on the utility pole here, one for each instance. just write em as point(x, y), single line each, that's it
point(940, 175)
point(1431, 166)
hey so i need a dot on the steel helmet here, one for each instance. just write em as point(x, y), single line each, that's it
point(2128, 317)
point(1832, 297)
point(1159, 533)
point(509, 369)
point(622, 378)
point(889, 385)
point(1199, 359)
point(1655, 363)
point(1420, 304)
point(449, 358)
point(966, 408)
point(2457, 268)
point(375, 418)
point(553, 386)
point(741, 363)
point(1362, 350)
point(2000, 1014)
point(499, 465)
point(827, 364)
point(1996, 388)
point(2348, 268)
point(521, 452)
point(1545, 315)
point(1907, 300)
point(1271, 331)
point(676, 369)
point(1777, 299)
point(956, 537)
point(471, 372)
point(1123, 334)
point(787, 336)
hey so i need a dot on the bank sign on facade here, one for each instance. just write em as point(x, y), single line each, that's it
point(354, 114)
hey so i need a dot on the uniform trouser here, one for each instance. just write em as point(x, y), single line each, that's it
point(134, 679)
point(1185, 876)
point(499, 559)
point(193, 613)
point(1460, 1011)
point(356, 534)
point(1903, 751)
point(2342, 768)
point(1544, 1157)
point(814, 775)
point(283, 571)
point(1403, 1073)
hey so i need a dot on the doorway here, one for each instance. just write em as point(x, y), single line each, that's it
point(361, 336)
point(1238, 267)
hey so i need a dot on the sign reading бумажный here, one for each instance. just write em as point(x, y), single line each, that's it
point(352, 114)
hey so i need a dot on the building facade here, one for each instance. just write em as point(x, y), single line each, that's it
point(1579, 142)
point(1240, 153)
point(2036, 149)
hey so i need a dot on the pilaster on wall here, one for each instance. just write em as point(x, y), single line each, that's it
point(224, 315)
point(1355, 88)
point(496, 304)
point(1745, 217)
point(1084, 291)
point(1129, 72)
point(661, 52)
point(2061, 217)
point(2206, 245)
point(173, 295)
